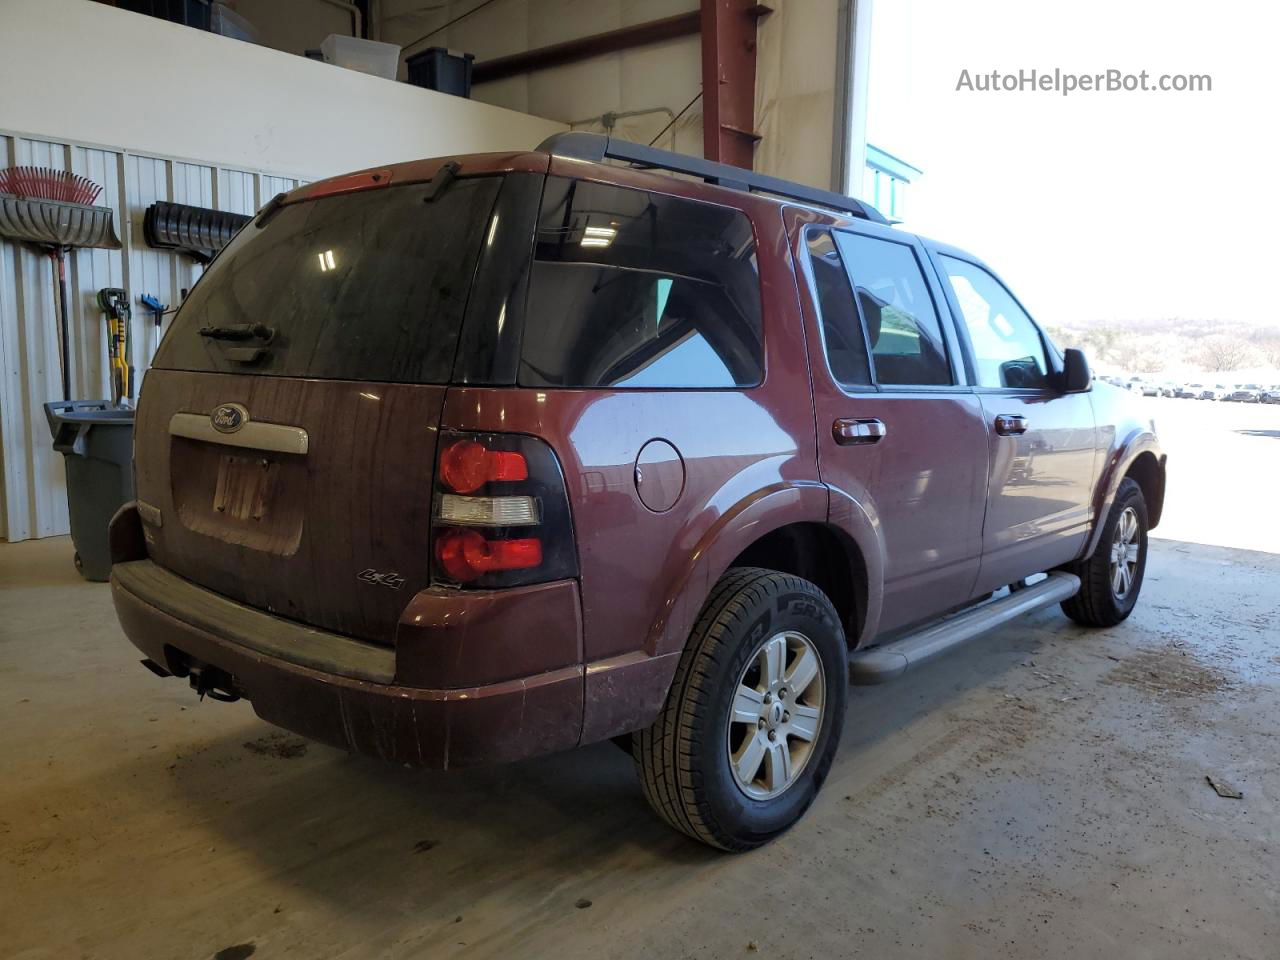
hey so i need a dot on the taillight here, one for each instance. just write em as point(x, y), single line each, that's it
point(467, 465)
point(501, 512)
point(465, 555)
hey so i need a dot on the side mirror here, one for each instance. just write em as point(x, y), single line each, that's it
point(1076, 377)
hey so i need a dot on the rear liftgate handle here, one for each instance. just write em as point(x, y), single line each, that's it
point(1011, 425)
point(850, 432)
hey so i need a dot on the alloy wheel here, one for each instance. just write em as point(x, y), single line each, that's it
point(1124, 553)
point(776, 715)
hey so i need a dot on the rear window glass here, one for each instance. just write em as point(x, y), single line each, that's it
point(632, 289)
point(370, 285)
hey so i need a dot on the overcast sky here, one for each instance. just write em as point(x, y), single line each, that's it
point(1114, 206)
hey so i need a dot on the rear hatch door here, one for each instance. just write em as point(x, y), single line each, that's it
point(286, 434)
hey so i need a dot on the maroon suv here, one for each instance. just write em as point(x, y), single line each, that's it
point(470, 460)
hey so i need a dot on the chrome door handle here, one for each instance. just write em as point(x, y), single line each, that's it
point(848, 431)
point(1011, 425)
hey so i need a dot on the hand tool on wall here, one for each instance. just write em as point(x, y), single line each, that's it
point(158, 310)
point(199, 232)
point(53, 211)
point(114, 303)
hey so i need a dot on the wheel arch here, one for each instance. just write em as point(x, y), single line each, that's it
point(714, 551)
point(775, 529)
point(625, 693)
point(1147, 470)
point(1137, 456)
point(825, 556)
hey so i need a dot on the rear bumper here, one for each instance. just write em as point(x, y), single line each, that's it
point(347, 693)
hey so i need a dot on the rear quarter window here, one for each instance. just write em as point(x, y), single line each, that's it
point(632, 289)
point(370, 285)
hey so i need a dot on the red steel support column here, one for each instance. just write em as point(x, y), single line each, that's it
point(729, 80)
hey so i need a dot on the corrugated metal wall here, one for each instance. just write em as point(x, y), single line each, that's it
point(33, 493)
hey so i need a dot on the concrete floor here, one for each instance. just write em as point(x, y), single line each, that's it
point(1040, 793)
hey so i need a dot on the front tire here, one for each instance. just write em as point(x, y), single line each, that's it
point(754, 714)
point(1111, 579)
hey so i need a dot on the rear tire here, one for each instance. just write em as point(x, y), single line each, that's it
point(1111, 579)
point(754, 714)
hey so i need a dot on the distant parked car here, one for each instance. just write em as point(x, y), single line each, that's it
point(1271, 394)
point(1148, 389)
point(1215, 392)
point(1168, 389)
point(1246, 393)
point(1189, 391)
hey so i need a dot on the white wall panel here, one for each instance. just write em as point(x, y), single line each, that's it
point(88, 271)
point(237, 191)
point(273, 185)
point(150, 271)
point(33, 492)
point(33, 502)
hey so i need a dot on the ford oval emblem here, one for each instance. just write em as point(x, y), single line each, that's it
point(229, 417)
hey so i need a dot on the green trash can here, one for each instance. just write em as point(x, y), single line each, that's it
point(96, 439)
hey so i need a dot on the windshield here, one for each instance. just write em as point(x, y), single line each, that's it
point(370, 285)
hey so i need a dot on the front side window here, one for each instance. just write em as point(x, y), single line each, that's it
point(899, 314)
point(632, 289)
point(1007, 348)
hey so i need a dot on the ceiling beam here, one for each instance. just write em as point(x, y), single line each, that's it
point(729, 80)
point(583, 48)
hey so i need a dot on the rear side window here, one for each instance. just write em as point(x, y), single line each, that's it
point(632, 289)
point(841, 326)
point(899, 314)
point(370, 285)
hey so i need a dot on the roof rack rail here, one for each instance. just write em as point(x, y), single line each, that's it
point(597, 147)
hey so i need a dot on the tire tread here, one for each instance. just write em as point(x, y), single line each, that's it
point(664, 752)
point(1094, 605)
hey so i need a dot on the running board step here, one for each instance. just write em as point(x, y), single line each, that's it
point(882, 664)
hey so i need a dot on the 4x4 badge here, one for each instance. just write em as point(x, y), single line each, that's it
point(391, 579)
point(229, 417)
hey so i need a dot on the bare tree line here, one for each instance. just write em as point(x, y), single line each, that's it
point(1155, 346)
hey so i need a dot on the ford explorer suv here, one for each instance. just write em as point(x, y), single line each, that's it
point(470, 460)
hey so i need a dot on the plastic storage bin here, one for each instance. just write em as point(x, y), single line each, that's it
point(96, 439)
point(436, 68)
point(368, 56)
point(189, 13)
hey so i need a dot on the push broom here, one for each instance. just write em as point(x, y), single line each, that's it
point(53, 209)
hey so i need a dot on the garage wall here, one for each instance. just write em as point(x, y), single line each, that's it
point(796, 66)
point(664, 75)
point(167, 90)
point(795, 92)
point(32, 497)
point(795, 71)
point(187, 117)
